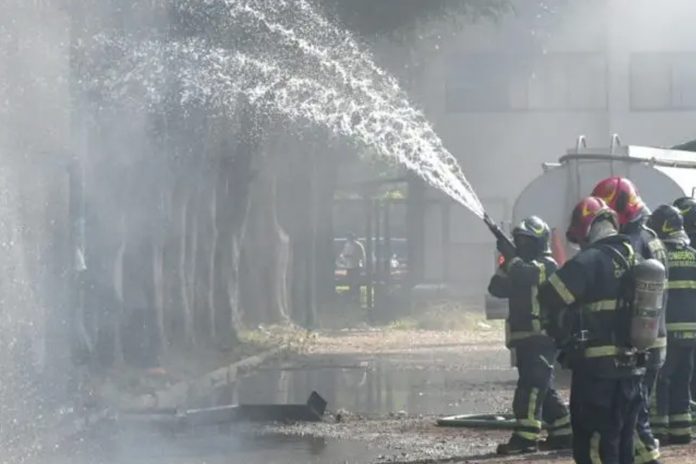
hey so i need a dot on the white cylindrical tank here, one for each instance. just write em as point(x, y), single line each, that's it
point(660, 175)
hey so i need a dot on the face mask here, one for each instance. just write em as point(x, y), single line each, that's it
point(527, 247)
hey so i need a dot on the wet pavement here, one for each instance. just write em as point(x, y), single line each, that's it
point(382, 408)
point(209, 446)
point(426, 384)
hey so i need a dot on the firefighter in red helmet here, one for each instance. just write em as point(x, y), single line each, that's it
point(622, 196)
point(581, 301)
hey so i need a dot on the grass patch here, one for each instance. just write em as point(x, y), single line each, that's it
point(407, 323)
point(449, 315)
point(267, 337)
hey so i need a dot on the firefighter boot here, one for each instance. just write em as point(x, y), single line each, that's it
point(555, 443)
point(517, 445)
point(662, 439)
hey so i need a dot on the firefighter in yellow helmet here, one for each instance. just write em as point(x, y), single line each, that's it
point(526, 267)
point(671, 421)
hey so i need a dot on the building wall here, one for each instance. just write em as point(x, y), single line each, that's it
point(508, 96)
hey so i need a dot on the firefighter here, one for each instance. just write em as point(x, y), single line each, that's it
point(673, 421)
point(687, 207)
point(622, 196)
point(527, 266)
point(581, 301)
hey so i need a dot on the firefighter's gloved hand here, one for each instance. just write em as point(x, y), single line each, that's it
point(506, 248)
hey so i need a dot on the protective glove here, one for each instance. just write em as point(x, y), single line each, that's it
point(506, 249)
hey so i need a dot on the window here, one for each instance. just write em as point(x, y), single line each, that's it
point(479, 83)
point(663, 81)
point(506, 82)
point(573, 81)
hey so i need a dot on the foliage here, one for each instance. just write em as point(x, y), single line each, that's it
point(293, 338)
point(447, 315)
point(687, 146)
point(371, 18)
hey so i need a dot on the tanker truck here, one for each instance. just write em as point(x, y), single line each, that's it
point(661, 175)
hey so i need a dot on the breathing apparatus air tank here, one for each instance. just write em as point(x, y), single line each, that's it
point(649, 278)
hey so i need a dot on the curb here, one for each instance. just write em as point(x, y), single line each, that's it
point(186, 392)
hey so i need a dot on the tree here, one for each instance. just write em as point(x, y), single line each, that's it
point(212, 174)
point(394, 18)
point(168, 191)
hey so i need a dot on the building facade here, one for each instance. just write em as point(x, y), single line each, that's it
point(508, 96)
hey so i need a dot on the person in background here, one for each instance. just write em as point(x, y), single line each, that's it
point(687, 208)
point(622, 196)
point(672, 421)
point(518, 279)
point(353, 258)
point(581, 302)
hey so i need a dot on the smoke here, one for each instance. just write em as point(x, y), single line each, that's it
point(34, 126)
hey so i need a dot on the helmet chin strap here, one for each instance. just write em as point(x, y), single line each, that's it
point(601, 229)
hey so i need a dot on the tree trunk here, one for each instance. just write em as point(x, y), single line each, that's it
point(295, 212)
point(170, 247)
point(188, 264)
point(266, 255)
point(212, 265)
point(159, 301)
point(232, 187)
point(184, 322)
point(325, 180)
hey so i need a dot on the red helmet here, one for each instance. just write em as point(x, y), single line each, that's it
point(584, 215)
point(621, 196)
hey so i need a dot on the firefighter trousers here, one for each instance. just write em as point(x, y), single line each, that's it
point(671, 410)
point(693, 385)
point(535, 398)
point(604, 413)
point(646, 447)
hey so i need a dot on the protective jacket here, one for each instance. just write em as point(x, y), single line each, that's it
point(648, 246)
point(671, 414)
point(535, 398)
point(681, 304)
point(582, 297)
point(519, 281)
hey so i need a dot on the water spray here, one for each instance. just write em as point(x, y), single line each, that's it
point(344, 92)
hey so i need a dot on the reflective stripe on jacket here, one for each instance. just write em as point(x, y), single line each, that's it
point(681, 302)
point(519, 283)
